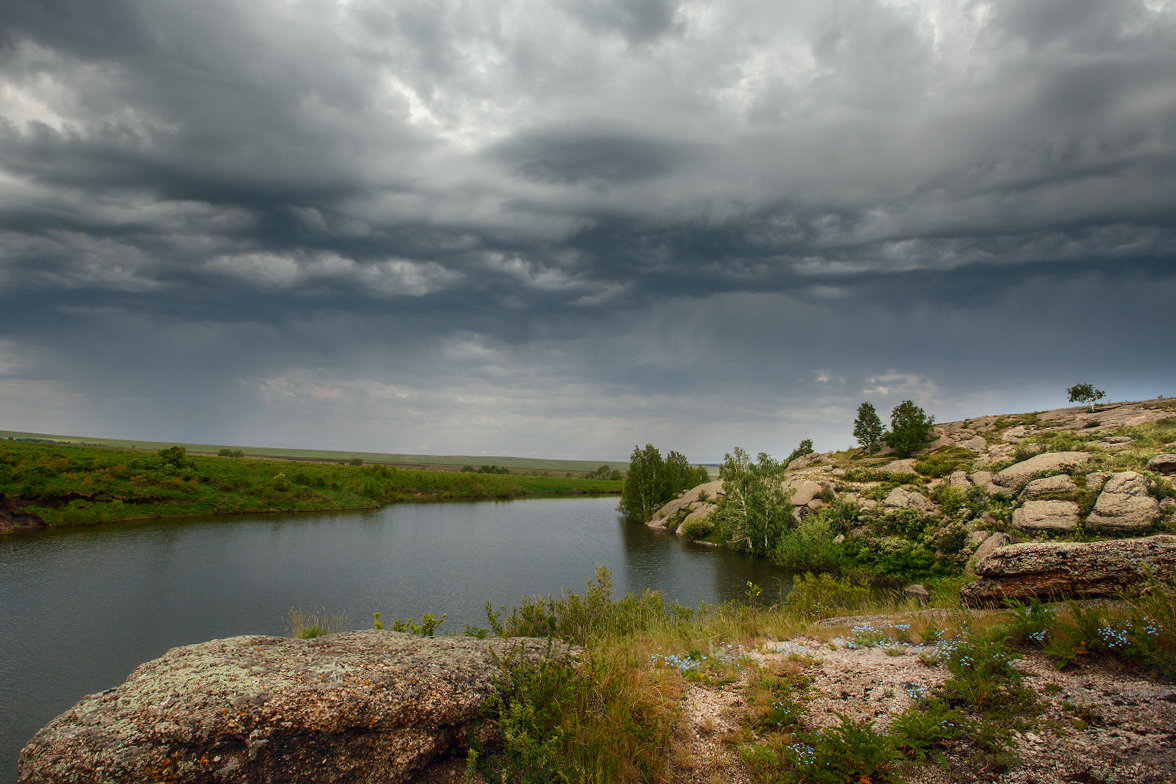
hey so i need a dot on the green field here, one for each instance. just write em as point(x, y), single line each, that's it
point(442, 462)
point(67, 484)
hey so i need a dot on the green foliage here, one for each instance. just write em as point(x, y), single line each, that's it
point(945, 460)
point(810, 545)
point(355, 461)
point(82, 485)
point(1085, 393)
point(849, 752)
point(496, 469)
point(697, 528)
point(426, 628)
point(927, 728)
point(604, 472)
point(174, 457)
point(804, 448)
point(308, 624)
point(867, 428)
point(578, 618)
point(604, 720)
point(983, 674)
point(910, 428)
point(652, 480)
point(816, 596)
point(755, 511)
point(226, 452)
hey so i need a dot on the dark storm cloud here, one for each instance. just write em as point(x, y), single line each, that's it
point(489, 217)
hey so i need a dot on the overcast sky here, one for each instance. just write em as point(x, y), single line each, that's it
point(568, 227)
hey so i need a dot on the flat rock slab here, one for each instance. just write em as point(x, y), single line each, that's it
point(366, 706)
point(1051, 571)
point(1018, 474)
point(1165, 464)
point(1046, 516)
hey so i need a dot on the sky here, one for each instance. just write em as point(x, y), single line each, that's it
point(570, 227)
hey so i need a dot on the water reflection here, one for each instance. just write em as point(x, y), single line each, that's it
point(81, 608)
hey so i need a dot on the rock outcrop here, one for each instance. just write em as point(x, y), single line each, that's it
point(1164, 464)
point(696, 502)
point(898, 498)
point(1049, 485)
point(367, 706)
point(1065, 570)
point(1019, 474)
point(1124, 504)
point(1046, 516)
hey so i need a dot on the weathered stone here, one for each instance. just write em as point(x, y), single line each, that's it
point(900, 498)
point(367, 706)
point(1066, 570)
point(917, 591)
point(1164, 464)
point(905, 466)
point(1013, 434)
point(992, 542)
point(701, 511)
point(12, 519)
point(1095, 480)
point(688, 501)
point(980, 478)
point(975, 444)
point(959, 479)
point(1046, 516)
point(1018, 474)
point(803, 490)
point(975, 538)
point(1124, 504)
point(1050, 485)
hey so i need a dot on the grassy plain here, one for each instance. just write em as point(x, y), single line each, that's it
point(439, 462)
point(84, 485)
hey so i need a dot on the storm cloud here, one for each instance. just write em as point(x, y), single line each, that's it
point(562, 229)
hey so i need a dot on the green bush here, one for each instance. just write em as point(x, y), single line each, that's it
point(697, 528)
point(944, 461)
point(815, 596)
point(810, 545)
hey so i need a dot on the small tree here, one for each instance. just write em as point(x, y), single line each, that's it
point(867, 428)
point(652, 480)
point(754, 511)
point(1085, 393)
point(805, 448)
point(910, 428)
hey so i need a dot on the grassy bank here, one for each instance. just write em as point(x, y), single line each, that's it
point(76, 485)
point(619, 714)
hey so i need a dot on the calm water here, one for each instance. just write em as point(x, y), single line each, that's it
point(79, 609)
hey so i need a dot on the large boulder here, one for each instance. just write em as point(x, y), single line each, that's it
point(1061, 484)
point(1124, 504)
point(367, 706)
point(1165, 464)
point(687, 502)
point(1070, 570)
point(804, 490)
point(900, 498)
point(1046, 516)
point(1018, 474)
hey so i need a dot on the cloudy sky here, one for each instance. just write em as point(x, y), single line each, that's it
point(564, 228)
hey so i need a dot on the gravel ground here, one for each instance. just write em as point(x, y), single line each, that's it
point(1098, 725)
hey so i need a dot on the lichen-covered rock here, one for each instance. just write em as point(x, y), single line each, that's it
point(1164, 464)
point(687, 502)
point(367, 706)
point(1049, 485)
point(990, 544)
point(1124, 504)
point(905, 466)
point(804, 490)
point(1018, 474)
point(1046, 516)
point(900, 498)
point(1070, 570)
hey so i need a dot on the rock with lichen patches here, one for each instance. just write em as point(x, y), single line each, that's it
point(366, 706)
point(1071, 570)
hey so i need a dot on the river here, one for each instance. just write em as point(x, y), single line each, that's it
point(81, 608)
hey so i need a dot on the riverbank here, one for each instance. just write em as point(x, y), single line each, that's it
point(64, 485)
